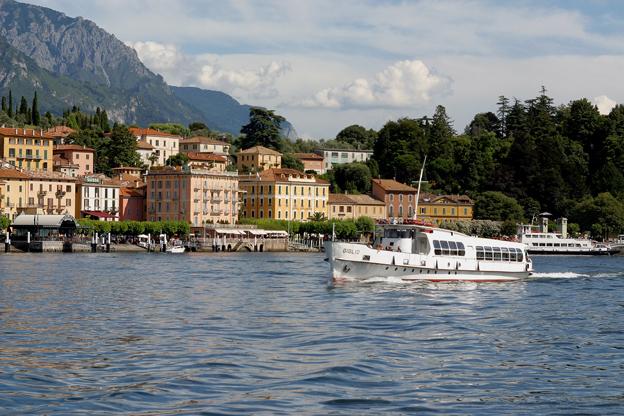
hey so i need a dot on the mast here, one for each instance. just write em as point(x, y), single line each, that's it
point(419, 182)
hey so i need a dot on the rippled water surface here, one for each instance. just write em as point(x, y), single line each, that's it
point(263, 334)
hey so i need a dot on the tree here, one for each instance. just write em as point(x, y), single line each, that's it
point(4, 104)
point(122, 148)
point(353, 177)
point(179, 159)
point(497, 206)
point(289, 162)
point(365, 224)
point(23, 108)
point(263, 129)
point(357, 136)
point(10, 109)
point(36, 118)
point(197, 126)
point(400, 149)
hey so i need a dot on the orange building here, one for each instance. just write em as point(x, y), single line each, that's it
point(198, 196)
point(400, 199)
point(81, 156)
point(311, 161)
point(27, 148)
point(283, 194)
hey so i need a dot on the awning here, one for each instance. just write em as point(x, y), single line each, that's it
point(257, 232)
point(41, 220)
point(279, 232)
point(98, 214)
point(225, 231)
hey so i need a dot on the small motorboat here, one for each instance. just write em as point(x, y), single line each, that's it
point(176, 249)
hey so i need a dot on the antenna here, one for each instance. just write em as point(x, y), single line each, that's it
point(419, 182)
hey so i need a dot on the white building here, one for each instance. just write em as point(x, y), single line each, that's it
point(165, 144)
point(97, 197)
point(337, 157)
point(200, 144)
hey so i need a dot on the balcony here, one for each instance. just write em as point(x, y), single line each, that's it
point(216, 212)
point(41, 194)
point(216, 199)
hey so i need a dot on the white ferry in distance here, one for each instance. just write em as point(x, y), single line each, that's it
point(540, 241)
point(414, 252)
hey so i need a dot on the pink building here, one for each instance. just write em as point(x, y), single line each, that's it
point(400, 199)
point(81, 156)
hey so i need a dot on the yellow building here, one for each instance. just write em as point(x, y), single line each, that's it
point(27, 148)
point(258, 158)
point(35, 192)
point(343, 207)
point(283, 194)
point(438, 208)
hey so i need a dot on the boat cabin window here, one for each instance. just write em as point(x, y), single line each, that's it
point(394, 233)
point(449, 248)
point(499, 253)
point(420, 245)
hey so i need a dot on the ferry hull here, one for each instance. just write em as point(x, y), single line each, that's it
point(346, 267)
point(608, 252)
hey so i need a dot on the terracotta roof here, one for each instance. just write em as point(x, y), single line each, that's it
point(204, 140)
point(393, 186)
point(57, 176)
point(29, 133)
point(365, 200)
point(208, 157)
point(59, 160)
point(353, 199)
point(62, 131)
point(261, 150)
point(75, 147)
point(133, 192)
point(282, 175)
point(150, 132)
point(339, 199)
point(9, 173)
point(307, 156)
point(144, 145)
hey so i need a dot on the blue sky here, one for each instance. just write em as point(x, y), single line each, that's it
point(325, 65)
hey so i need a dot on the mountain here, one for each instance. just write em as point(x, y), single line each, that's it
point(71, 61)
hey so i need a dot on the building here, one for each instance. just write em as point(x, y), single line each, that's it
point(35, 192)
point(258, 158)
point(98, 197)
point(27, 148)
point(82, 156)
point(399, 199)
point(200, 144)
point(60, 133)
point(209, 161)
point(165, 144)
point(343, 206)
point(283, 194)
point(64, 166)
point(438, 208)
point(132, 190)
point(311, 161)
point(147, 152)
point(333, 157)
point(198, 196)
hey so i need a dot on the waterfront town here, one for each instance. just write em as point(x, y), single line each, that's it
point(41, 174)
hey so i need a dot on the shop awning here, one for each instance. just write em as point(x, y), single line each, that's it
point(98, 214)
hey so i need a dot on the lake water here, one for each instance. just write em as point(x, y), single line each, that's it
point(262, 333)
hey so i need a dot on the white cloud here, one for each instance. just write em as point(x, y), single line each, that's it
point(205, 71)
point(258, 83)
point(401, 85)
point(604, 104)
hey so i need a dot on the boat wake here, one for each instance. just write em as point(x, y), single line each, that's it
point(559, 275)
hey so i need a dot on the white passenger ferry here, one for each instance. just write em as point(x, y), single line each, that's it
point(425, 253)
point(540, 241)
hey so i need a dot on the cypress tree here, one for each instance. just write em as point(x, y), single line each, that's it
point(10, 113)
point(4, 104)
point(104, 121)
point(36, 118)
point(23, 108)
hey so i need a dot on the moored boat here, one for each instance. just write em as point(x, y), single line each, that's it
point(425, 253)
point(541, 241)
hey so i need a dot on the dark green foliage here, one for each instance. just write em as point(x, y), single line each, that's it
point(197, 126)
point(603, 215)
point(497, 206)
point(122, 149)
point(134, 228)
point(289, 162)
point(35, 117)
point(4, 222)
point(354, 178)
point(263, 129)
point(177, 160)
point(10, 109)
point(357, 136)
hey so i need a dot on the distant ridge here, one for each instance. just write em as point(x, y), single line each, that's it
point(72, 61)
